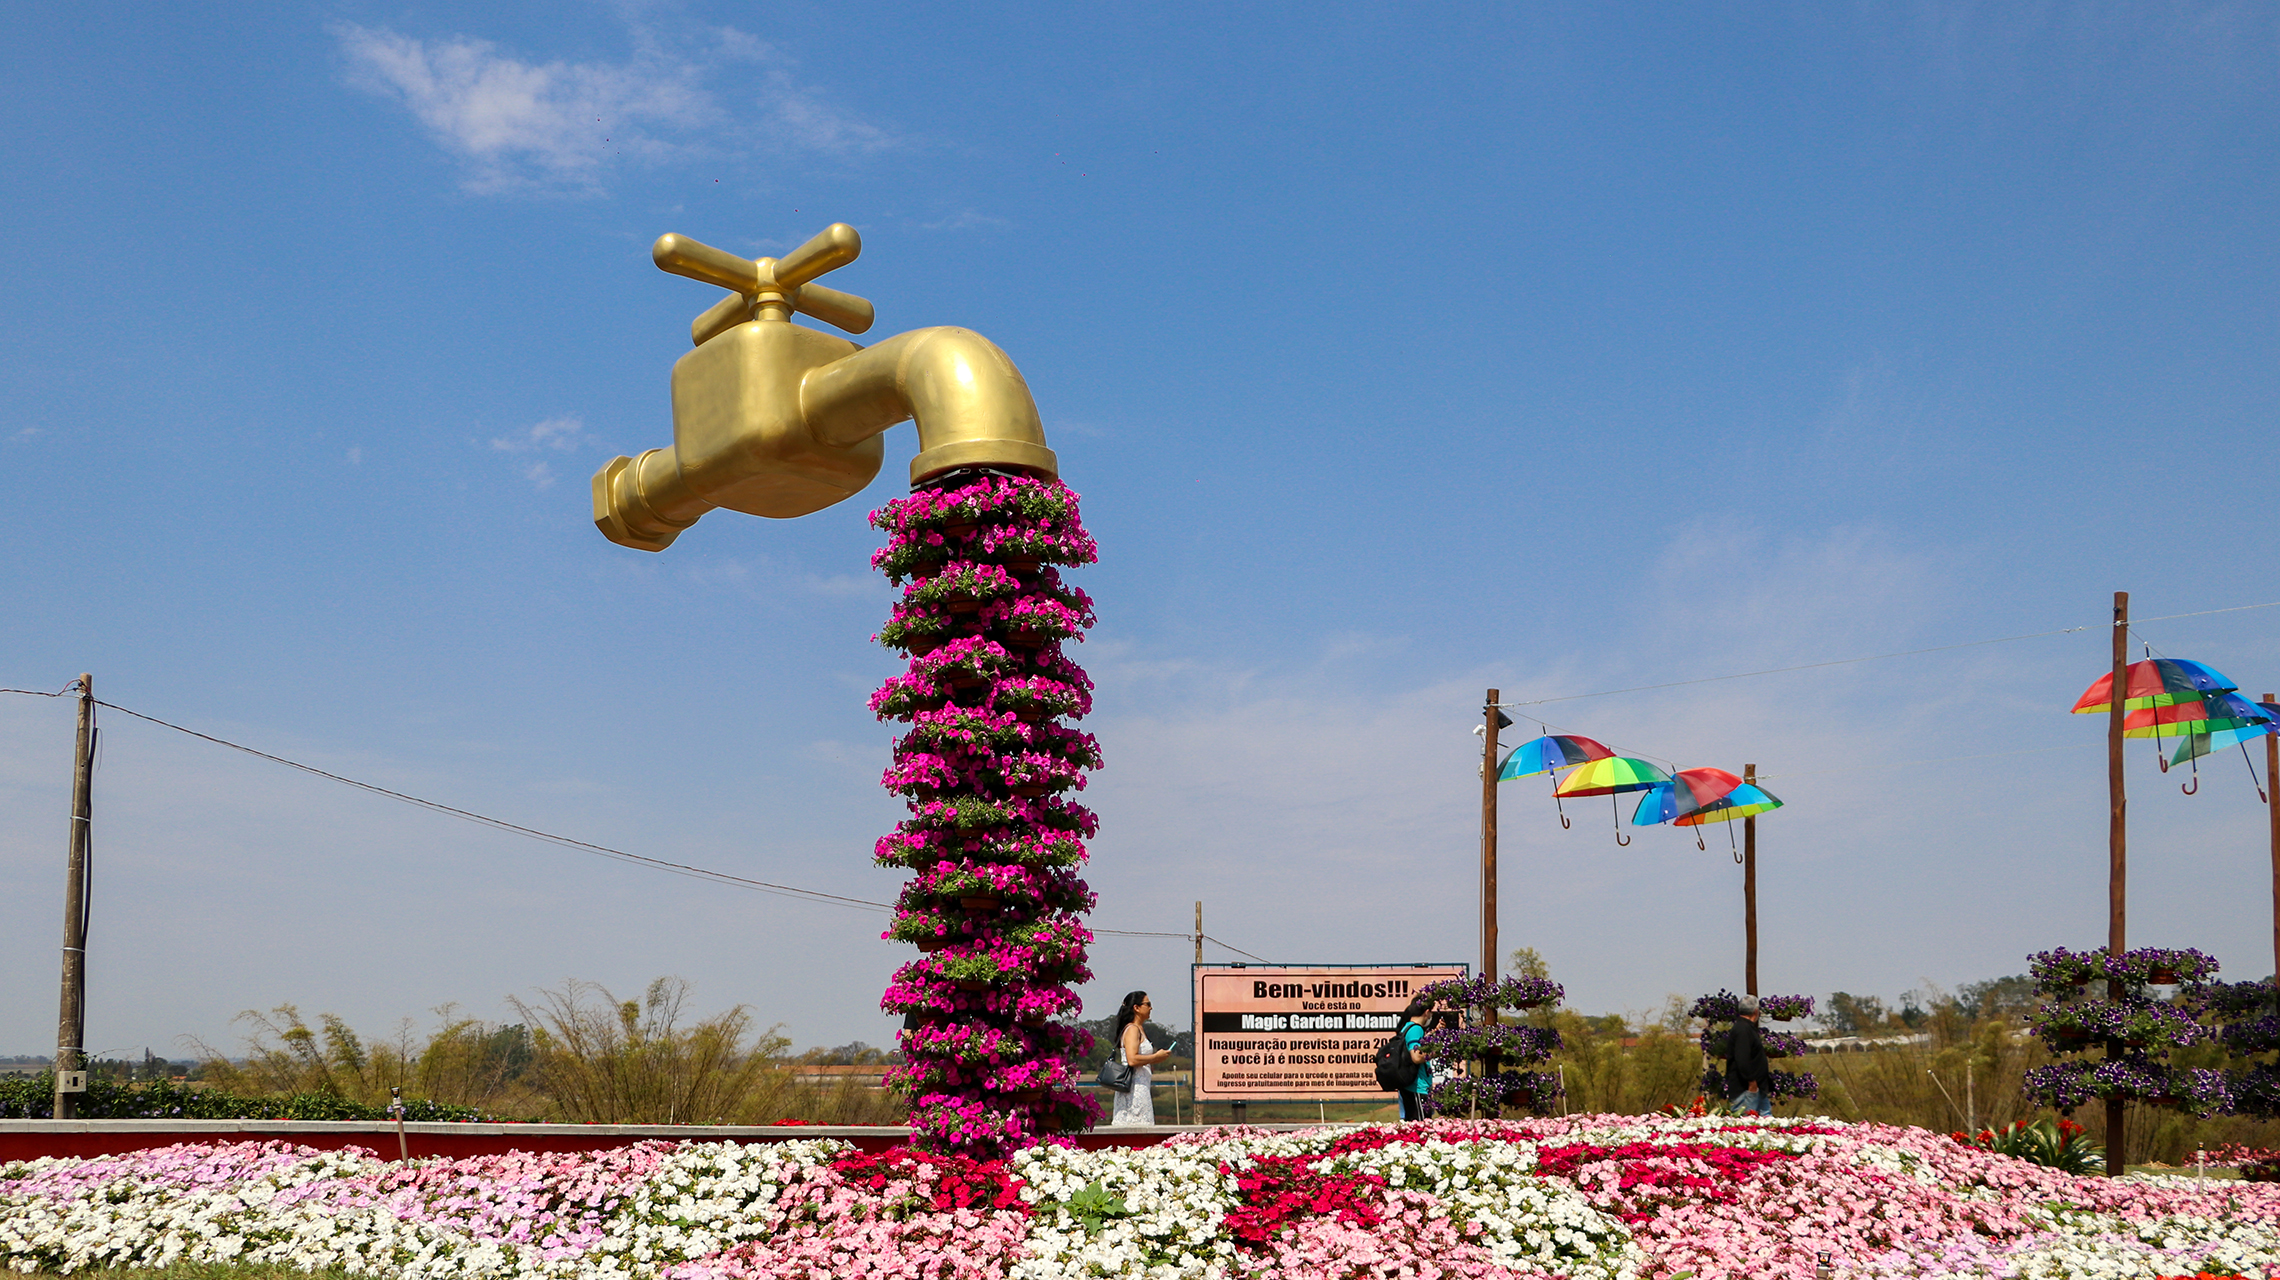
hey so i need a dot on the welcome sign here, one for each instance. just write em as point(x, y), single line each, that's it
point(1300, 1031)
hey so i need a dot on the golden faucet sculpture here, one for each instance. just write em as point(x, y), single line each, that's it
point(773, 419)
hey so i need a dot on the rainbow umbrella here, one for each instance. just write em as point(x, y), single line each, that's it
point(1555, 751)
point(1610, 777)
point(2155, 682)
point(2216, 712)
point(1548, 754)
point(1687, 791)
point(2201, 744)
point(2231, 721)
point(1745, 801)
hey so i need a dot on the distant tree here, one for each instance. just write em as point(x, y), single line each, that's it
point(1527, 962)
point(1851, 1015)
point(1998, 997)
point(855, 1053)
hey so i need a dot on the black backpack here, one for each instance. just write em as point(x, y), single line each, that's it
point(1395, 1072)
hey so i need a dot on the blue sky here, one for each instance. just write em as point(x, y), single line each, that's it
point(1399, 352)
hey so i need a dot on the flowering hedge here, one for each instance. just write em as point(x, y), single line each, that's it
point(993, 840)
point(1598, 1197)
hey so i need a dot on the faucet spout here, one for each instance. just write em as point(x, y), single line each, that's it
point(773, 419)
point(972, 407)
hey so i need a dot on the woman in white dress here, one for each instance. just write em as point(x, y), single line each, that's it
point(1138, 1104)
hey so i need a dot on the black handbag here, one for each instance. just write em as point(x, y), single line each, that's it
point(1115, 1075)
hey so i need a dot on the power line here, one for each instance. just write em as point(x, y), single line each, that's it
point(1878, 657)
point(501, 824)
point(515, 828)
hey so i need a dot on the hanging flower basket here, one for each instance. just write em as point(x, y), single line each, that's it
point(959, 529)
point(931, 945)
point(920, 646)
point(1019, 566)
point(971, 984)
point(2161, 977)
point(981, 904)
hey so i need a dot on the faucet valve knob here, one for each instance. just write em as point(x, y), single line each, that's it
point(786, 280)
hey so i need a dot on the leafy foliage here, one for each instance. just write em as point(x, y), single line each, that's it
point(2061, 1145)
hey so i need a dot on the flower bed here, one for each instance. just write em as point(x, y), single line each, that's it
point(1584, 1196)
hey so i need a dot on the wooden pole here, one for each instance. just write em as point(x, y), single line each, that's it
point(2117, 866)
point(2272, 802)
point(1749, 890)
point(1488, 844)
point(71, 1019)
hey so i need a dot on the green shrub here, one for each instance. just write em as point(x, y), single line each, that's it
point(33, 1098)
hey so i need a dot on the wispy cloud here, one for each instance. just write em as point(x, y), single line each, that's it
point(521, 125)
point(554, 435)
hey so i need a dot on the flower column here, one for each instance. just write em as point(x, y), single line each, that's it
point(1718, 1013)
point(2138, 1031)
point(1484, 1095)
point(993, 840)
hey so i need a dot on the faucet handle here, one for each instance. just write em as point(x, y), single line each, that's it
point(787, 278)
point(832, 248)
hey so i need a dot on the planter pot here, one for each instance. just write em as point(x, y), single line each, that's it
point(1024, 638)
point(2162, 978)
point(2066, 1040)
point(980, 904)
point(959, 529)
point(2166, 1103)
point(1028, 790)
point(969, 984)
point(920, 646)
point(1018, 567)
point(961, 604)
point(932, 945)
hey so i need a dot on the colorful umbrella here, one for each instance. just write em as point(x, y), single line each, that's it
point(1556, 751)
point(1548, 754)
point(2212, 714)
point(2233, 720)
point(2201, 744)
point(1687, 791)
point(1609, 777)
point(1745, 801)
point(2155, 682)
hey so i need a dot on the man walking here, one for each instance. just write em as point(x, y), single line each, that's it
point(1749, 1075)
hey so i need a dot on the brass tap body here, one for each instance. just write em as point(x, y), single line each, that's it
point(774, 419)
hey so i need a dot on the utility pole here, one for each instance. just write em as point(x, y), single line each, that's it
point(1488, 844)
point(2117, 864)
point(71, 1021)
point(1749, 890)
point(2272, 802)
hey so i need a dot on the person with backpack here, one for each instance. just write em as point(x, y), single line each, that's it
point(1749, 1075)
point(1401, 1064)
